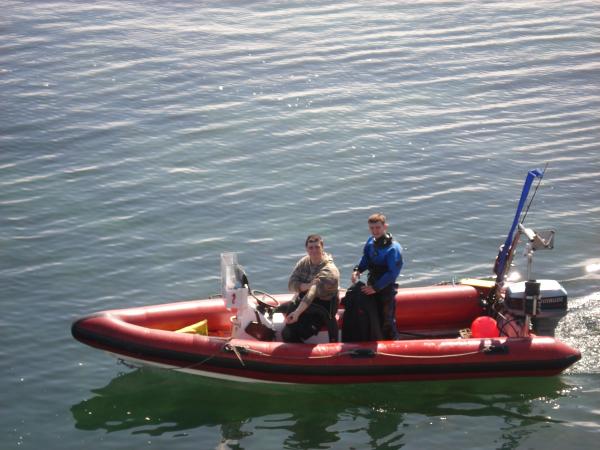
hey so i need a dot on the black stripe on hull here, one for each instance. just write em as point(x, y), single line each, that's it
point(231, 365)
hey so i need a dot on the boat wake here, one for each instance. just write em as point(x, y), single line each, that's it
point(580, 329)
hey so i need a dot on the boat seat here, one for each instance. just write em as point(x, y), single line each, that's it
point(329, 331)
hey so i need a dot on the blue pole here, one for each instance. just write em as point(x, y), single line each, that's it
point(502, 256)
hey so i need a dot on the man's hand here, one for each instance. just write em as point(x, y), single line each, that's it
point(368, 289)
point(292, 317)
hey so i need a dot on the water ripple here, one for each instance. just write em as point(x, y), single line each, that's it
point(140, 140)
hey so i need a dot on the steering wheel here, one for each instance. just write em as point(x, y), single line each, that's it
point(272, 301)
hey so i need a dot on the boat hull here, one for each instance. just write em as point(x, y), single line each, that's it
point(147, 335)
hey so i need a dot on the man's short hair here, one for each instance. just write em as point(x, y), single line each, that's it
point(378, 217)
point(314, 238)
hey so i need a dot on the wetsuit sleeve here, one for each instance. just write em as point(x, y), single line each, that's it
point(364, 261)
point(394, 264)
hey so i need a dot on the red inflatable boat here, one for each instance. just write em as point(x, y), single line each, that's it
point(431, 319)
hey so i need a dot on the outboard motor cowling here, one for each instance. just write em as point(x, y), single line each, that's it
point(551, 305)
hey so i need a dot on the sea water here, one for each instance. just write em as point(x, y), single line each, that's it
point(140, 140)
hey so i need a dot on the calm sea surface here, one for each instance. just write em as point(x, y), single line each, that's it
point(139, 140)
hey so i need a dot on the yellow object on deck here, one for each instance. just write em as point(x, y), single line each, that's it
point(476, 282)
point(196, 328)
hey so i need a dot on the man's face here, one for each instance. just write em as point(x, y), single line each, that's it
point(313, 249)
point(377, 229)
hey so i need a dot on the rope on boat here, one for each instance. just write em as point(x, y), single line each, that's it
point(239, 350)
point(209, 357)
point(483, 350)
point(237, 353)
point(247, 350)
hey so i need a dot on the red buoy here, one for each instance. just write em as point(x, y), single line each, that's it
point(484, 327)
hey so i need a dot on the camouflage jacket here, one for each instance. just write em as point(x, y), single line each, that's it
point(326, 274)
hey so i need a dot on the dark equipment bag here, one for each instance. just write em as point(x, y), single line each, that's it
point(361, 316)
point(259, 330)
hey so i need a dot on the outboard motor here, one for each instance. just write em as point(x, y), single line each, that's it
point(545, 301)
point(540, 303)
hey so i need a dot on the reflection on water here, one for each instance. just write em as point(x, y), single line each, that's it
point(153, 402)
